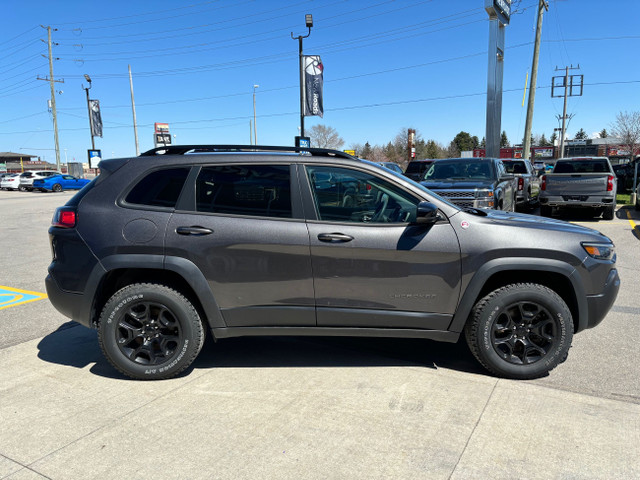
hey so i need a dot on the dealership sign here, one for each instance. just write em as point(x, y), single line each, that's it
point(500, 9)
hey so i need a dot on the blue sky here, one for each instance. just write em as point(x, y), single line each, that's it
point(389, 64)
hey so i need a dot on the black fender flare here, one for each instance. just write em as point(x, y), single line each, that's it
point(506, 264)
point(189, 272)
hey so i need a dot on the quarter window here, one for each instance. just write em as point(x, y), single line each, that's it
point(254, 190)
point(160, 188)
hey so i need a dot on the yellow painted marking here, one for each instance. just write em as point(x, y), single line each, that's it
point(11, 297)
point(633, 224)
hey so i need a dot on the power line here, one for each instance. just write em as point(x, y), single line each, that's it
point(349, 107)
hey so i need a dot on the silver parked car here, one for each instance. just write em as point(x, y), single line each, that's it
point(27, 178)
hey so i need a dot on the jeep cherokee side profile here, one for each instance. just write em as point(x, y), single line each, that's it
point(249, 240)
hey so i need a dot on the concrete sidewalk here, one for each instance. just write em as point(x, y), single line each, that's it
point(296, 409)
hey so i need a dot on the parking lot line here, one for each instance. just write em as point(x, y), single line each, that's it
point(633, 224)
point(12, 297)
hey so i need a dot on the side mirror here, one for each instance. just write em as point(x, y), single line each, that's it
point(427, 213)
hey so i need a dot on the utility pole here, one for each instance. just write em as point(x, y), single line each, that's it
point(53, 96)
point(133, 108)
point(255, 123)
point(569, 82)
point(526, 148)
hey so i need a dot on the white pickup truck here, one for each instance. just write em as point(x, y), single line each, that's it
point(584, 182)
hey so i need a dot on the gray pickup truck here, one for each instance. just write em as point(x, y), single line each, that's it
point(528, 181)
point(473, 182)
point(584, 182)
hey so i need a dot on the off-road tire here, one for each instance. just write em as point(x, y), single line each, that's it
point(520, 331)
point(150, 331)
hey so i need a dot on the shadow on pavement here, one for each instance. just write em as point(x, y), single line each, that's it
point(76, 346)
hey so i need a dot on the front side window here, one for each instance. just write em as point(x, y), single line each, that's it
point(345, 195)
point(254, 190)
point(160, 188)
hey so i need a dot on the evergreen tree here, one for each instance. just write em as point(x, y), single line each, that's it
point(504, 141)
point(554, 137)
point(366, 151)
point(581, 135)
point(543, 141)
point(464, 142)
point(483, 143)
point(604, 133)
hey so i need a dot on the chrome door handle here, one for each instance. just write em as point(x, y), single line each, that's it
point(334, 237)
point(196, 231)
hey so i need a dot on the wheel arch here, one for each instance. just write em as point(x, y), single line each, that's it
point(558, 276)
point(177, 273)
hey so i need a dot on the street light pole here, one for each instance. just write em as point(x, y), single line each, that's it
point(255, 125)
point(308, 23)
point(88, 79)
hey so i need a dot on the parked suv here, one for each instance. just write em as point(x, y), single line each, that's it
point(160, 248)
point(473, 182)
point(27, 178)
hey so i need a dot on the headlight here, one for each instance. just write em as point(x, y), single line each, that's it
point(484, 193)
point(601, 251)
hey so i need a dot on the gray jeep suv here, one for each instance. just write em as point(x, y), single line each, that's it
point(160, 248)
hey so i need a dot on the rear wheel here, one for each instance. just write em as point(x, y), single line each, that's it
point(150, 331)
point(520, 331)
point(57, 187)
point(609, 212)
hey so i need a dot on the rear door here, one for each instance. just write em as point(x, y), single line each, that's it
point(372, 267)
point(244, 230)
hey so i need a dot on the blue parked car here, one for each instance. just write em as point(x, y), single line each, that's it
point(58, 183)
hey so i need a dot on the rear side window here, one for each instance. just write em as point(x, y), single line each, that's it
point(160, 188)
point(254, 190)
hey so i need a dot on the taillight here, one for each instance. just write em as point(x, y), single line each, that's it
point(610, 183)
point(65, 217)
point(520, 184)
point(543, 182)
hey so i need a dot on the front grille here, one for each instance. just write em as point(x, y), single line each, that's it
point(456, 194)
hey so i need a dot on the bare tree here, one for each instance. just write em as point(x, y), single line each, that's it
point(325, 137)
point(627, 129)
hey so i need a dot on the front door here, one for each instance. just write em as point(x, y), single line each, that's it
point(372, 267)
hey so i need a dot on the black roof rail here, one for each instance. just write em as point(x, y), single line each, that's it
point(183, 149)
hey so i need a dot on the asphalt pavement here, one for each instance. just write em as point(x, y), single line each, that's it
point(312, 408)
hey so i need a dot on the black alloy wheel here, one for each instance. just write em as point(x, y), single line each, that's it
point(524, 333)
point(150, 331)
point(57, 187)
point(520, 331)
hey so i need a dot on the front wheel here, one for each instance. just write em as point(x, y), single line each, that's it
point(150, 331)
point(520, 331)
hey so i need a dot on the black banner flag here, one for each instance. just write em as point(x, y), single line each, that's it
point(96, 119)
point(313, 80)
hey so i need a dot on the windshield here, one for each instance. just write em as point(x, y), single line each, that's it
point(459, 169)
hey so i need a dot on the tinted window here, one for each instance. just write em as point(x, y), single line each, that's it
point(515, 167)
point(582, 166)
point(160, 188)
point(255, 190)
point(344, 195)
